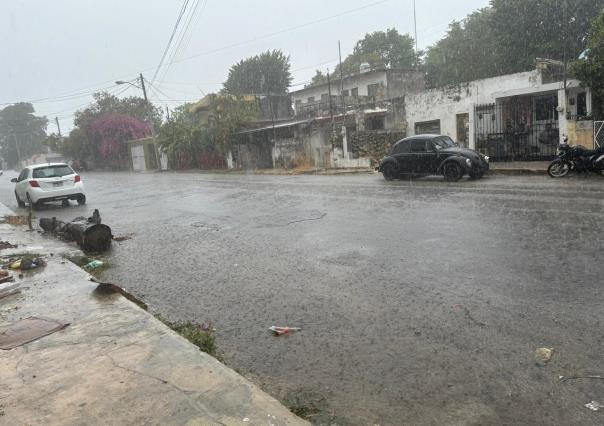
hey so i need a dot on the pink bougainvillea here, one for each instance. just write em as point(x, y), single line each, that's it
point(110, 133)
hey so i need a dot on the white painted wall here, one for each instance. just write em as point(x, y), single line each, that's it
point(445, 103)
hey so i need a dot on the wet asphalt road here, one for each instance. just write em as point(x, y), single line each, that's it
point(421, 302)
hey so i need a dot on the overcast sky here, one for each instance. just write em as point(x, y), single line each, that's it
point(60, 51)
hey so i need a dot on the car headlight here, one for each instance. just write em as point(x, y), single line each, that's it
point(468, 162)
point(486, 158)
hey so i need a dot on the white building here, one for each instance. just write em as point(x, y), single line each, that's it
point(523, 115)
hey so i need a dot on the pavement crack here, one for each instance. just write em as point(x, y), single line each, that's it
point(186, 393)
point(469, 316)
point(321, 216)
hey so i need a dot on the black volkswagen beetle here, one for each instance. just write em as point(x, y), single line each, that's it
point(423, 155)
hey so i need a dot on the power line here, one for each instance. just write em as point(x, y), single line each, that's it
point(161, 61)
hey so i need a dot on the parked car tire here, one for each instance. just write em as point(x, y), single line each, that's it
point(33, 205)
point(390, 171)
point(478, 175)
point(82, 200)
point(452, 172)
point(65, 202)
point(20, 203)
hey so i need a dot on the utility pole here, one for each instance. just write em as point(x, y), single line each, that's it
point(167, 113)
point(148, 108)
point(341, 77)
point(415, 29)
point(18, 150)
point(58, 127)
point(330, 107)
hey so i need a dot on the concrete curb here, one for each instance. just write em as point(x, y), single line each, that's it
point(115, 363)
point(515, 172)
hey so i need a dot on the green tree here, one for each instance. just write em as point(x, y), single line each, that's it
point(590, 68)
point(508, 36)
point(22, 133)
point(318, 78)
point(267, 73)
point(388, 49)
point(465, 53)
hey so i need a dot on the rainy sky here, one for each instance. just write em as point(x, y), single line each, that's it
point(60, 51)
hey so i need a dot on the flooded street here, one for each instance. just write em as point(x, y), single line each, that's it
point(420, 302)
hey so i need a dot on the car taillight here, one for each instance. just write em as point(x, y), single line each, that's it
point(34, 184)
point(77, 179)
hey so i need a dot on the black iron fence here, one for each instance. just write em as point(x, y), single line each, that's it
point(516, 132)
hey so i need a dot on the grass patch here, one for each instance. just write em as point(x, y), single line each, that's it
point(200, 336)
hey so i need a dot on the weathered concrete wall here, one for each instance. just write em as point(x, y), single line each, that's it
point(446, 102)
point(581, 133)
point(372, 144)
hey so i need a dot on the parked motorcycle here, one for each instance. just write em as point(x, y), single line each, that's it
point(576, 158)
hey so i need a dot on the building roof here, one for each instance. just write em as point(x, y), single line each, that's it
point(336, 79)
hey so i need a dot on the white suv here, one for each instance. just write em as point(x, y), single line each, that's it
point(48, 182)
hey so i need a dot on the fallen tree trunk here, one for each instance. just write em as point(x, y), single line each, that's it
point(89, 234)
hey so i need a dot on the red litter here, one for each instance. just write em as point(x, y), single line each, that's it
point(283, 330)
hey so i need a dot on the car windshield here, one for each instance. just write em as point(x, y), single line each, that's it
point(52, 171)
point(443, 143)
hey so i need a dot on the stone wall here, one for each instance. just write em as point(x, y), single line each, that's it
point(373, 144)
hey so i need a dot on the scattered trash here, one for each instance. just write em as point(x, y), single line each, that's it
point(93, 265)
point(594, 406)
point(543, 356)
point(27, 330)
point(9, 290)
point(122, 238)
point(3, 273)
point(246, 419)
point(283, 330)
point(103, 286)
point(6, 245)
point(6, 278)
point(27, 263)
point(16, 220)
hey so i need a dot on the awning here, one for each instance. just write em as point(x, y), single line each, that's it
point(276, 126)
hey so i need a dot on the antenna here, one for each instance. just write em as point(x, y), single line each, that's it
point(415, 30)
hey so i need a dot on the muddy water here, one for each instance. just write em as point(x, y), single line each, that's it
point(420, 303)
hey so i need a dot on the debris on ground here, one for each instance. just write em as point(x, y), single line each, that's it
point(6, 245)
point(88, 233)
point(94, 264)
point(122, 238)
point(27, 263)
point(4, 273)
point(594, 406)
point(114, 288)
point(543, 356)
point(15, 220)
point(6, 278)
point(9, 290)
point(27, 330)
point(279, 331)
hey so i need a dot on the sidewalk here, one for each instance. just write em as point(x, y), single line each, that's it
point(519, 167)
point(115, 363)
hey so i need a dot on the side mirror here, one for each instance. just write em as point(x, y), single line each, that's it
point(14, 180)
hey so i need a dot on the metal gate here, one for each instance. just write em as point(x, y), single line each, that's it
point(518, 130)
point(599, 134)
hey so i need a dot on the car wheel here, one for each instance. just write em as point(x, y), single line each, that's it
point(65, 202)
point(81, 200)
point(33, 205)
point(452, 172)
point(389, 171)
point(475, 176)
point(20, 203)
